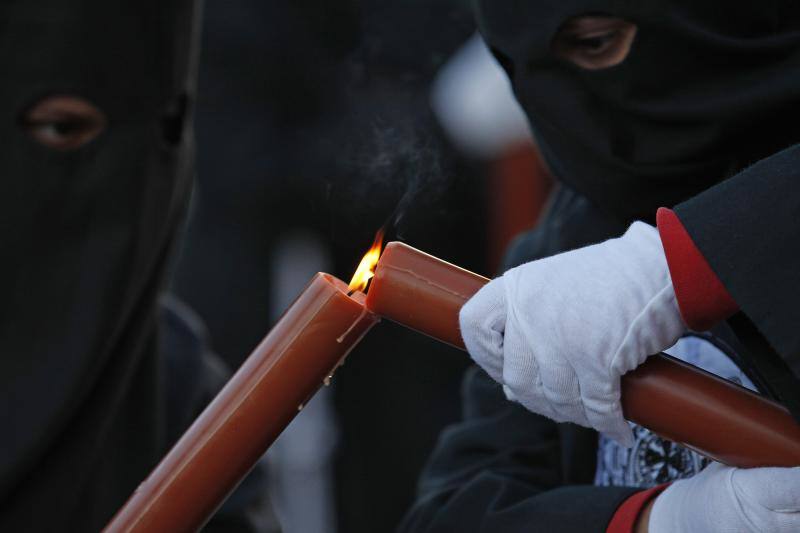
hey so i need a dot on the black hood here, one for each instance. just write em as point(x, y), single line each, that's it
point(708, 88)
point(86, 236)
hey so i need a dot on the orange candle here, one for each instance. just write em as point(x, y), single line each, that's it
point(422, 292)
point(302, 351)
point(678, 401)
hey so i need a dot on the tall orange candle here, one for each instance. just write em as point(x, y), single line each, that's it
point(678, 401)
point(303, 349)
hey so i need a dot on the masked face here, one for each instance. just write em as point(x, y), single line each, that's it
point(640, 104)
point(95, 160)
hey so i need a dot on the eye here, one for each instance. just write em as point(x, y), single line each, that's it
point(594, 42)
point(63, 122)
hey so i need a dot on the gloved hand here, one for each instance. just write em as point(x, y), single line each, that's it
point(559, 332)
point(726, 499)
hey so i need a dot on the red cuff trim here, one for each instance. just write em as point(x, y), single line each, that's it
point(702, 298)
point(624, 520)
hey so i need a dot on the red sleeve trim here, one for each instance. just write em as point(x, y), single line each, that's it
point(702, 298)
point(624, 520)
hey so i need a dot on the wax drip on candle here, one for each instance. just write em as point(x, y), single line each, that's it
point(344, 335)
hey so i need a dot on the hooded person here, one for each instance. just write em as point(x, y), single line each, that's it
point(97, 159)
point(637, 107)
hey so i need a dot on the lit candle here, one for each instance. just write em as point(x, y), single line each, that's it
point(678, 401)
point(300, 353)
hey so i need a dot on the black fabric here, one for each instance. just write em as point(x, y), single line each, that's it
point(705, 91)
point(747, 228)
point(505, 469)
point(86, 237)
point(569, 221)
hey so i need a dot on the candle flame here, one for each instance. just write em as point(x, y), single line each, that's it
point(366, 268)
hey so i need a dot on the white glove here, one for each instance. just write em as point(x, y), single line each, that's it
point(559, 332)
point(726, 499)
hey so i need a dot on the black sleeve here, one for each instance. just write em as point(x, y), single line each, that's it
point(504, 469)
point(748, 228)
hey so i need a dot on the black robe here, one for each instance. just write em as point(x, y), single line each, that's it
point(705, 91)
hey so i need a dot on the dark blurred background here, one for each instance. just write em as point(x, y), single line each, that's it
point(317, 123)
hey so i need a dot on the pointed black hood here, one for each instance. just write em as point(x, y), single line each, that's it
point(86, 237)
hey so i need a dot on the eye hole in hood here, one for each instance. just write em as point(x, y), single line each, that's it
point(594, 42)
point(63, 122)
